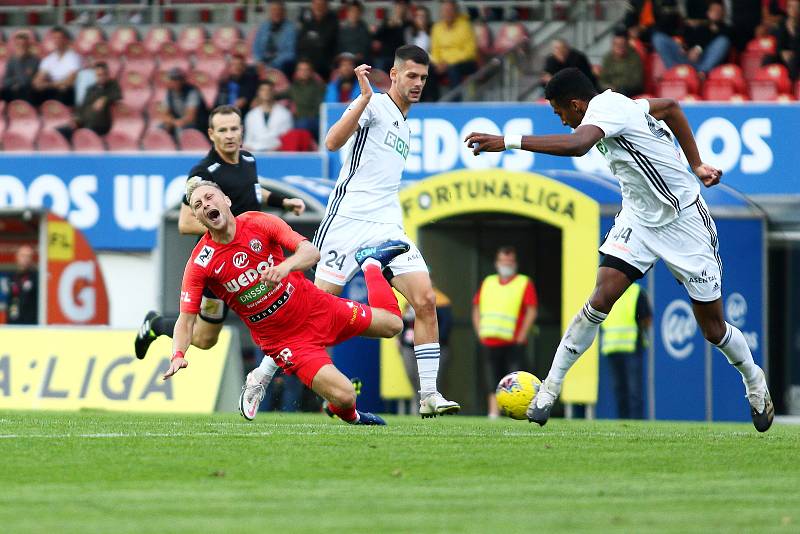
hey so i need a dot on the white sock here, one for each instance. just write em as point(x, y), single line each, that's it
point(427, 366)
point(371, 261)
point(577, 339)
point(267, 367)
point(734, 347)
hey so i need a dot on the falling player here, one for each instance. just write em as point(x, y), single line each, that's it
point(364, 208)
point(663, 216)
point(241, 259)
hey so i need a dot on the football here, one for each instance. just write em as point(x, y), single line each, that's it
point(515, 392)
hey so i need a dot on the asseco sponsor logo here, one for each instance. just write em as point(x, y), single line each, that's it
point(247, 277)
point(240, 260)
point(678, 327)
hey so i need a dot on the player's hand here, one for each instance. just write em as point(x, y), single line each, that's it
point(174, 366)
point(295, 205)
point(708, 175)
point(362, 71)
point(275, 274)
point(480, 142)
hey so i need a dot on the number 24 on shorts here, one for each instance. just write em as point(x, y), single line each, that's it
point(336, 260)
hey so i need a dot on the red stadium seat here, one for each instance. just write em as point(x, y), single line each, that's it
point(676, 89)
point(751, 62)
point(297, 140)
point(483, 37)
point(86, 140)
point(193, 140)
point(156, 37)
point(211, 59)
point(17, 142)
point(654, 70)
point(191, 38)
point(50, 140)
point(720, 89)
point(796, 90)
point(127, 119)
point(87, 38)
point(119, 141)
point(225, 37)
point(54, 114)
point(731, 73)
point(158, 139)
point(206, 83)
point(685, 73)
point(511, 34)
point(763, 90)
point(767, 45)
point(122, 37)
point(778, 74)
point(22, 118)
point(277, 77)
point(136, 90)
point(139, 59)
point(171, 57)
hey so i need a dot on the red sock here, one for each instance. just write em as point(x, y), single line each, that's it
point(379, 292)
point(345, 414)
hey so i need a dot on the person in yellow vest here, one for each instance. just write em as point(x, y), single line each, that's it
point(622, 338)
point(503, 311)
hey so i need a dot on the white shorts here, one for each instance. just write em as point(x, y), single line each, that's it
point(688, 245)
point(340, 238)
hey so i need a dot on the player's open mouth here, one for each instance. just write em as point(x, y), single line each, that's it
point(213, 215)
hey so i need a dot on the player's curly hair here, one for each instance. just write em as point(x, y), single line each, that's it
point(569, 84)
point(196, 181)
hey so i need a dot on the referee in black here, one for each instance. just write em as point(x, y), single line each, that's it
point(234, 170)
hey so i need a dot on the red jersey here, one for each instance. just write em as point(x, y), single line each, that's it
point(233, 272)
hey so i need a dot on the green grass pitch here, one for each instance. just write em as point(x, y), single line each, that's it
point(125, 473)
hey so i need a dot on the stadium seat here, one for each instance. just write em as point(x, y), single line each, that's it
point(206, 83)
point(156, 37)
point(136, 90)
point(50, 140)
point(380, 80)
point(511, 34)
point(54, 114)
point(483, 36)
point(298, 140)
point(763, 90)
point(685, 73)
point(158, 139)
point(17, 142)
point(796, 90)
point(751, 61)
point(191, 38)
point(778, 74)
point(276, 76)
point(86, 140)
point(87, 38)
point(225, 37)
point(22, 119)
point(127, 119)
point(731, 73)
point(139, 59)
point(119, 141)
point(122, 37)
point(720, 89)
point(211, 59)
point(171, 57)
point(677, 89)
point(766, 45)
point(654, 70)
point(193, 140)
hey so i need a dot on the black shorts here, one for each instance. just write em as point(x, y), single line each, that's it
point(499, 361)
point(212, 309)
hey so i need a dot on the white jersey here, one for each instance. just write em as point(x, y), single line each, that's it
point(641, 153)
point(374, 158)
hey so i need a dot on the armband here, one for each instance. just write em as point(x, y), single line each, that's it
point(275, 199)
point(178, 354)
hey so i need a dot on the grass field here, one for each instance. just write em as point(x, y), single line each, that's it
point(104, 472)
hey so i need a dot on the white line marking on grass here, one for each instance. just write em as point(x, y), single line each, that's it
point(138, 435)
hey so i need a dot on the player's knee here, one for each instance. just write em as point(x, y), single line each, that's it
point(713, 330)
point(425, 305)
point(343, 397)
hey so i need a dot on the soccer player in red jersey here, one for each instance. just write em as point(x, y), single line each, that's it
point(241, 259)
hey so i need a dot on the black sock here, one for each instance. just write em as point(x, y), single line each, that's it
point(163, 326)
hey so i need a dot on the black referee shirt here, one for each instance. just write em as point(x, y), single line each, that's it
point(239, 181)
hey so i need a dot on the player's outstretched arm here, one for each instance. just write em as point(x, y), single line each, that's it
point(577, 143)
point(348, 124)
point(181, 338)
point(671, 113)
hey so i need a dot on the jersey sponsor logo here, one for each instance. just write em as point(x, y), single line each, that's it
point(396, 124)
point(204, 256)
point(240, 260)
point(399, 145)
point(185, 296)
point(704, 278)
point(218, 269)
point(248, 277)
point(255, 245)
point(678, 327)
point(258, 293)
point(213, 167)
point(275, 306)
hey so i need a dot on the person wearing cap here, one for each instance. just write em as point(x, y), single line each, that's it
point(183, 105)
point(343, 88)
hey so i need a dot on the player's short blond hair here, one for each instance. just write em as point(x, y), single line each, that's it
point(195, 182)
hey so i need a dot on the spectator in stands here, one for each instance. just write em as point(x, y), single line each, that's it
point(419, 34)
point(318, 36)
point(563, 56)
point(343, 88)
point(306, 92)
point(266, 122)
point(276, 39)
point(55, 78)
point(454, 50)
point(183, 106)
point(746, 22)
point(622, 67)
point(20, 70)
point(95, 110)
point(787, 37)
point(354, 34)
point(704, 46)
point(238, 87)
point(645, 16)
point(390, 35)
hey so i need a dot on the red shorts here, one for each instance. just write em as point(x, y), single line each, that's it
point(332, 320)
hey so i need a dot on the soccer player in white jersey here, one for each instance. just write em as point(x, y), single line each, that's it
point(364, 209)
point(663, 216)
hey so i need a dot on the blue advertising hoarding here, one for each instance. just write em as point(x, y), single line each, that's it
point(117, 200)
